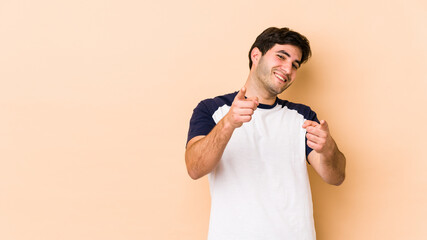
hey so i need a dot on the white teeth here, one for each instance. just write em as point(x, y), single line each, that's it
point(280, 77)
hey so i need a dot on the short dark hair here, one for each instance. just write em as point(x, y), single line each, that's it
point(271, 36)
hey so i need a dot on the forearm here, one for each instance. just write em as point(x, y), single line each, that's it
point(326, 158)
point(203, 155)
point(332, 166)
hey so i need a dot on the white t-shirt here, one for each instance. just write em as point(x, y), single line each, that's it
point(260, 189)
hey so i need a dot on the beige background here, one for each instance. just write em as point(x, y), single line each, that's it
point(96, 96)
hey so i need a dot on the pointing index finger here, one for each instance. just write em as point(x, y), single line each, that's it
point(241, 94)
point(323, 124)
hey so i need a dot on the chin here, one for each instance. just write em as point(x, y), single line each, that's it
point(276, 91)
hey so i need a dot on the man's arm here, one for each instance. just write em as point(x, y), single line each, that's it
point(204, 152)
point(325, 158)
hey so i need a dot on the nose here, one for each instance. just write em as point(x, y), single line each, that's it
point(286, 67)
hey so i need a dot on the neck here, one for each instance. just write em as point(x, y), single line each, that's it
point(255, 89)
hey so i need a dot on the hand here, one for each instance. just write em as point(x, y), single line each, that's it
point(241, 109)
point(318, 136)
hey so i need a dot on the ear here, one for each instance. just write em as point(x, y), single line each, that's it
point(255, 56)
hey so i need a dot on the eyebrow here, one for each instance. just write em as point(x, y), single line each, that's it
point(287, 54)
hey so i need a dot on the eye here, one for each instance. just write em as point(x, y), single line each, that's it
point(280, 56)
point(295, 66)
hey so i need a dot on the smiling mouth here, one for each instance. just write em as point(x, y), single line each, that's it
point(280, 77)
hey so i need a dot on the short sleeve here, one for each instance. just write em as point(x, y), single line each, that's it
point(312, 116)
point(201, 122)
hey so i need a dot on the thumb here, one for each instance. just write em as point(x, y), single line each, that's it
point(241, 94)
point(309, 123)
point(255, 99)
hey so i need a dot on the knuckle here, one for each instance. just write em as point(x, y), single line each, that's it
point(235, 118)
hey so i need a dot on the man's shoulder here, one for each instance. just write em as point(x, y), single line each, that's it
point(302, 109)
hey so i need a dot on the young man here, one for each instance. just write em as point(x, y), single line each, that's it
point(254, 147)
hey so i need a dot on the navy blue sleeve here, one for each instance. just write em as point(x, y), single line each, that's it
point(313, 117)
point(307, 113)
point(201, 122)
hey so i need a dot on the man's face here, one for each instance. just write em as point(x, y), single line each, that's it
point(276, 69)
